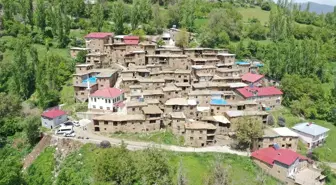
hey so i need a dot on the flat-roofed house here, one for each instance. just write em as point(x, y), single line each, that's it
point(171, 91)
point(204, 97)
point(169, 61)
point(222, 124)
point(135, 107)
point(186, 88)
point(222, 72)
point(148, 47)
point(219, 106)
point(182, 76)
point(311, 134)
point(112, 123)
point(188, 106)
point(227, 58)
point(287, 166)
point(135, 57)
point(283, 136)
point(82, 90)
point(178, 119)
point(75, 50)
point(95, 41)
point(268, 97)
point(227, 79)
point(151, 83)
point(204, 61)
point(236, 115)
point(107, 79)
point(108, 99)
point(53, 118)
point(148, 95)
point(98, 59)
point(153, 115)
point(199, 134)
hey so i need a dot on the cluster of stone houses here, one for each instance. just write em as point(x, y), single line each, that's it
point(197, 93)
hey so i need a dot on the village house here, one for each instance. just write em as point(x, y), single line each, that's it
point(254, 79)
point(203, 97)
point(149, 48)
point(235, 116)
point(95, 41)
point(178, 119)
point(135, 107)
point(212, 86)
point(135, 89)
point(287, 166)
point(204, 61)
point(127, 82)
point(98, 59)
point(222, 127)
point(169, 61)
point(106, 79)
point(227, 58)
point(226, 79)
point(171, 91)
point(151, 83)
point(186, 88)
point(84, 89)
point(268, 97)
point(168, 51)
point(148, 95)
point(75, 50)
point(182, 76)
point(188, 106)
point(108, 99)
point(112, 123)
point(311, 134)
point(199, 134)
point(153, 116)
point(222, 72)
point(53, 118)
point(283, 136)
point(135, 57)
point(243, 66)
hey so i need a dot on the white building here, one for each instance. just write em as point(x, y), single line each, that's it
point(109, 99)
point(311, 134)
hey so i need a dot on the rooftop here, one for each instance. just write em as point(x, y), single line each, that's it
point(226, 54)
point(180, 101)
point(178, 115)
point(197, 125)
point(281, 155)
point(136, 104)
point(53, 113)
point(120, 117)
point(218, 102)
point(308, 176)
point(171, 88)
point(310, 128)
point(98, 35)
point(151, 80)
point(240, 113)
point(248, 92)
point(152, 109)
point(107, 93)
point(250, 77)
point(220, 118)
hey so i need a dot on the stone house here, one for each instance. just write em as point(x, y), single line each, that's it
point(199, 134)
point(148, 47)
point(99, 60)
point(135, 57)
point(268, 97)
point(112, 123)
point(83, 90)
point(226, 58)
point(135, 89)
point(203, 97)
point(148, 95)
point(188, 106)
point(283, 136)
point(168, 51)
point(182, 76)
point(108, 99)
point(169, 61)
point(311, 134)
point(96, 41)
point(151, 83)
point(287, 166)
point(127, 82)
point(135, 107)
point(243, 66)
point(212, 86)
point(226, 79)
point(186, 88)
point(235, 116)
point(222, 127)
point(204, 61)
point(222, 72)
point(253, 79)
point(153, 115)
point(171, 91)
point(75, 50)
point(53, 118)
point(178, 119)
point(107, 79)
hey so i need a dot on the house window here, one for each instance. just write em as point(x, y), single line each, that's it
point(94, 106)
point(201, 132)
point(200, 138)
point(192, 131)
point(152, 121)
point(105, 122)
point(191, 138)
point(115, 123)
point(133, 109)
point(101, 107)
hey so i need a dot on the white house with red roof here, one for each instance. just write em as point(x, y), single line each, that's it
point(268, 97)
point(53, 117)
point(288, 166)
point(108, 99)
point(251, 78)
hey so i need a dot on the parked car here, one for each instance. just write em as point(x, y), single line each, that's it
point(64, 130)
point(73, 134)
point(76, 123)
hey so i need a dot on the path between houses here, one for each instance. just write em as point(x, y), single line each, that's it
point(135, 145)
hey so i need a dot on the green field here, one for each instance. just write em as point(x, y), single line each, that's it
point(324, 153)
point(257, 12)
point(161, 137)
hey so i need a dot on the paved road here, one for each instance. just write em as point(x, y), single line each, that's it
point(135, 145)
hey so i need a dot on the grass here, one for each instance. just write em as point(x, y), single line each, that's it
point(256, 12)
point(161, 137)
point(324, 153)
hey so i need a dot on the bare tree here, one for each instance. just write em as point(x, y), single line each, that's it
point(219, 174)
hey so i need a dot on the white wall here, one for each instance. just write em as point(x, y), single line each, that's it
point(103, 103)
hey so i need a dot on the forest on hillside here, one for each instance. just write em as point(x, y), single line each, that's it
point(297, 47)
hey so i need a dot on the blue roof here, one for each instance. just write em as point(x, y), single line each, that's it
point(218, 102)
point(91, 80)
point(260, 65)
point(310, 128)
point(241, 62)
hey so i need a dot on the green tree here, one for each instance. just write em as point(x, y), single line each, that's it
point(10, 168)
point(249, 129)
point(97, 16)
point(32, 131)
point(182, 38)
point(81, 57)
point(136, 14)
point(40, 15)
point(118, 16)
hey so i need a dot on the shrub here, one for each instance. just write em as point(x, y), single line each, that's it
point(266, 6)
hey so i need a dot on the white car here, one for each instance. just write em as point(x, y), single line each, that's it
point(73, 134)
point(76, 123)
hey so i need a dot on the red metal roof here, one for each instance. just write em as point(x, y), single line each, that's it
point(270, 155)
point(54, 113)
point(248, 92)
point(98, 35)
point(131, 40)
point(250, 77)
point(107, 93)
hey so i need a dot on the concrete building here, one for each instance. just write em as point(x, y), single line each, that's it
point(53, 118)
point(311, 134)
point(283, 136)
point(287, 166)
point(108, 99)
